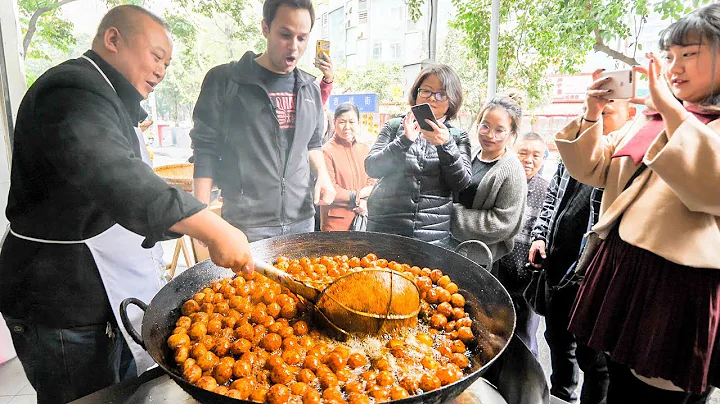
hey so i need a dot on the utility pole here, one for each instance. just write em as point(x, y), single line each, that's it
point(432, 34)
point(492, 63)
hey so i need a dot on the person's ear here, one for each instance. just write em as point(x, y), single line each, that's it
point(265, 29)
point(632, 110)
point(111, 39)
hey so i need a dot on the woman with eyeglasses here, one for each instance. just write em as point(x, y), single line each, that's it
point(418, 170)
point(491, 208)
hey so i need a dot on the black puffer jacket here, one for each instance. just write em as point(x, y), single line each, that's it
point(413, 196)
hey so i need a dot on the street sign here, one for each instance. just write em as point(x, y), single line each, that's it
point(364, 102)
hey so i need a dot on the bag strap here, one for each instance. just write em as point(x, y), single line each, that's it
point(635, 175)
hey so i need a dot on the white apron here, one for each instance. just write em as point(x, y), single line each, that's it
point(126, 268)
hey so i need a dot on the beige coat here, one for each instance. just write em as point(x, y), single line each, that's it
point(673, 208)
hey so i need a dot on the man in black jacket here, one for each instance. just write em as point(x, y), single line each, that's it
point(81, 203)
point(258, 131)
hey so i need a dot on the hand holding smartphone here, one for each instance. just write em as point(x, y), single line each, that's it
point(622, 82)
point(423, 112)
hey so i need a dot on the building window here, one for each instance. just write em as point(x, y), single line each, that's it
point(396, 13)
point(377, 51)
point(362, 11)
point(396, 51)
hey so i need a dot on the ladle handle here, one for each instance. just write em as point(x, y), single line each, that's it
point(285, 279)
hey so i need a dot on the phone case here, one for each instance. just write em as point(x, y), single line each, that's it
point(423, 112)
point(322, 47)
point(622, 82)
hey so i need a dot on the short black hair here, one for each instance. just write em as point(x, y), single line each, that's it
point(346, 107)
point(701, 25)
point(270, 8)
point(450, 82)
point(124, 18)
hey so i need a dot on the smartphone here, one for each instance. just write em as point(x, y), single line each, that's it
point(322, 48)
point(423, 112)
point(622, 82)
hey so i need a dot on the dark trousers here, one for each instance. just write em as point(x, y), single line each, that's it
point(261, 233)
point(567, 354)
point(626, 388)
point(65, 364)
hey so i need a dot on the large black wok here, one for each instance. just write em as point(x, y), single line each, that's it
point(480, 289)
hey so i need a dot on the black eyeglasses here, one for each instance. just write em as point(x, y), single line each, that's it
point(439, 96)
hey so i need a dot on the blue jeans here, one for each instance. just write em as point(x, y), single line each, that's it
point(65, 364)
point(261, 233)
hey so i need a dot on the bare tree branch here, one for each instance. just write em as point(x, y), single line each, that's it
point(32, 25)
point(600, 46)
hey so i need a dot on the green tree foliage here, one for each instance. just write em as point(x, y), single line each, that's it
point(379, 78)
point(538, 37)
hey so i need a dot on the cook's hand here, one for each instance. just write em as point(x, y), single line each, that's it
point(595, 99)
point(361, 208)
point(412, 130)
point(537, 247)
point(365, 191)
point(661, 97)
point(324, 191)
point(326, 67)
point(438, 136)
point(230, 249)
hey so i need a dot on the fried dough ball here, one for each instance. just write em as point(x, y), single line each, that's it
point(306, 376)
point(300, 328)
point(354, 387)
point(311, 362)
point(449, 374)
point(292, 357)
point(184, 322)
point(198, 331)
point(398, 393)
point(385, 378)
point(259, 393)
point(241, 346)
point(452, 287)
point(381, 364)
point(245, 331)
point(282, 375)
point(207, 383)
point(222, 373)
point(379, 393)
point(298, 388)
point(429, 362)
point(457, 300)
point(444, 281)
point(358, 398)
point(438, 321)
point(429, 382)
point(327, 380)
point(460, 359)
point(190, 307)
point(214, 326)
point(207, 361)
point(278, 394)
point(465, 334)
point(271, 342)
point(289, 311)
point(464, 322)
point(458, 346)
point(177, 340)
point(356, 360)
point(335, 361)
point(192, 374)
point(182, 353)
point(444, 296)
point(424, 339)
point(311, 397)
point(241, 368)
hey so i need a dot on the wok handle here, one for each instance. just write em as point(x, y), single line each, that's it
point(126, 320)
point(285, 279)
point(481, 253)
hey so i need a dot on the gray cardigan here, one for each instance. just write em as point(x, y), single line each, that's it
point(497, 213)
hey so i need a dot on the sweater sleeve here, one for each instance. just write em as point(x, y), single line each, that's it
point(325, 90)
point(500, 222)
point(587, 155)
point(689, 162)
point(455, 166)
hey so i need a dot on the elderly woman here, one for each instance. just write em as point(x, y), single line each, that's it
point(344, 157)
point(418, 170)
